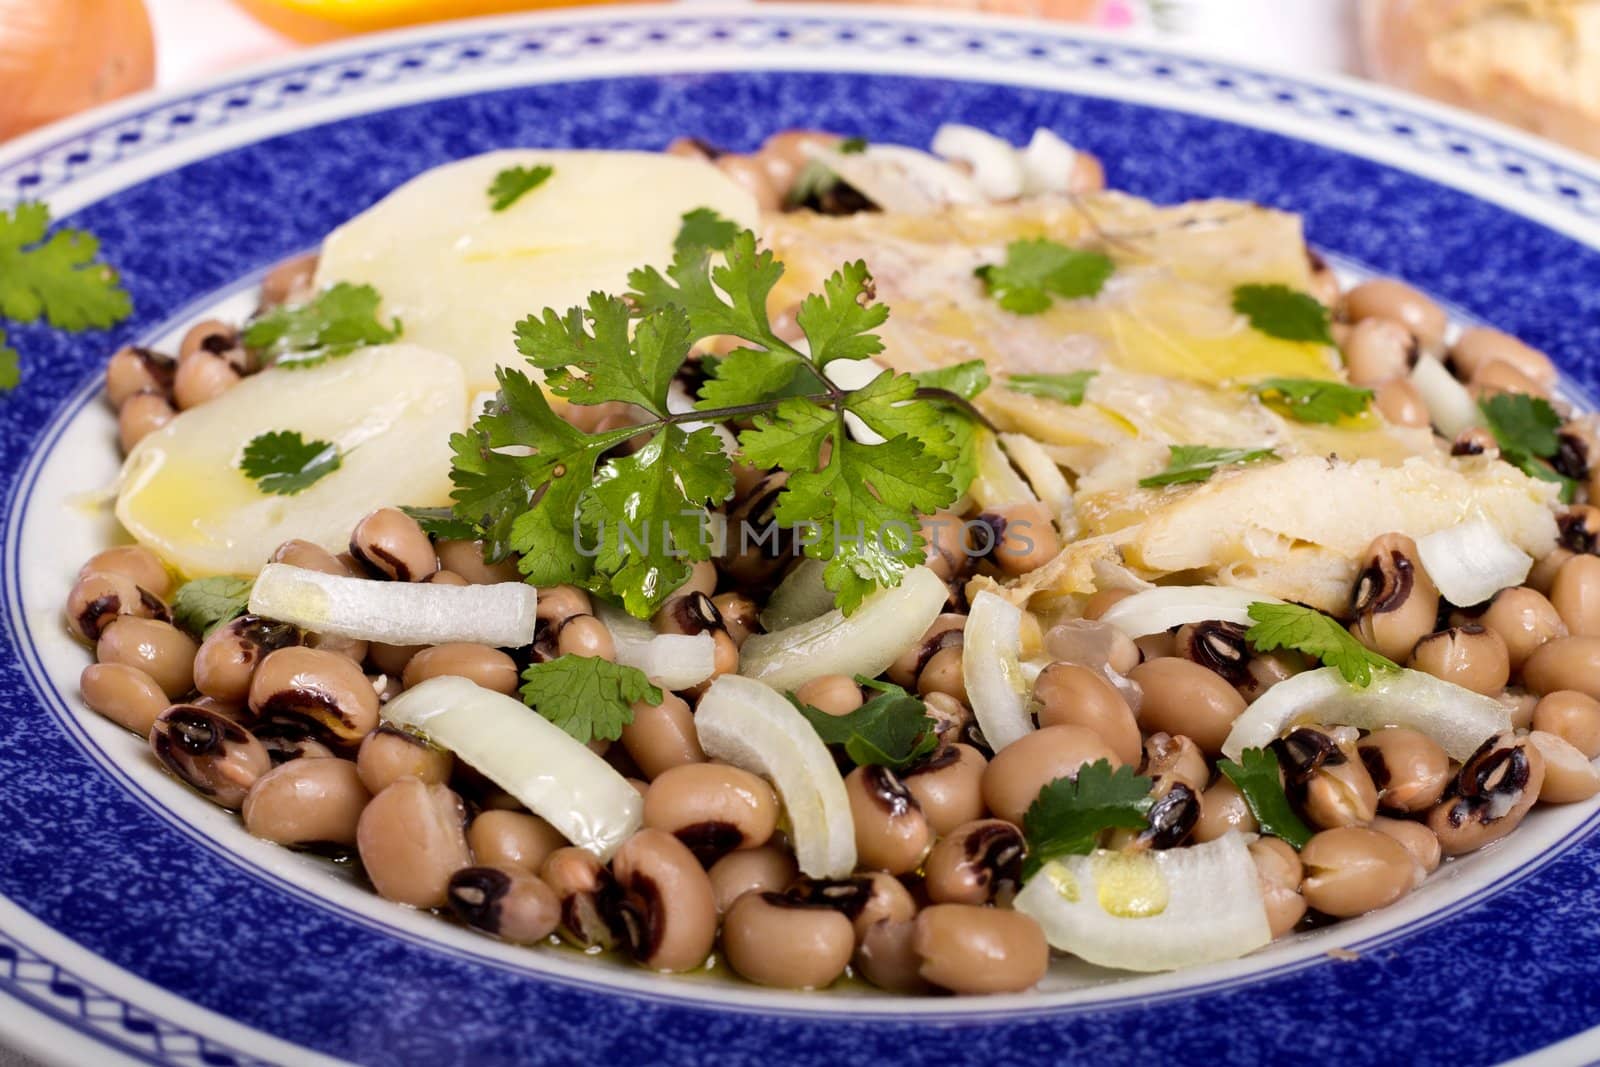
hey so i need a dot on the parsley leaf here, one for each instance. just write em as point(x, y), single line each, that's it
point(587, 696)
point(1285, 313)
point(1525, 429)
point(1037, 269)
point(1067, 388)
point(589, 358)
point(891, 730)
point(1256, 776)
point(1307, 630)
point(704, 228)
point(284, 463)
point(204, 604)
point(335, 322)
point(852, 146)
point(441, 523)
point(1069, 814)
point(966, 380)
point(1313, 399)
point(511, 184)
point(10, 365)
point(1196, 463)
point(57, 276)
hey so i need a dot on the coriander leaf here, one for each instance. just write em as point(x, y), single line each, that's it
point(1067, 388)
point(511, 184)
point(10, 365)
point(886, 405)
point(1538, 468)
point(335, 322)
point(57, 277)
point(1037, 269)
point(1069, 814)
point(204, 604)
point(1309, 631)
point(891, 730)
point(1313, 399)
point(838, 323)
point(587, 696)
point(852, 146)
point(966, 380)
point(1196, 463)
point(284, 463)
point(704, 228)
point(747, 376)
point(1256, 776)
point(441, 523)
point(1525, 425)
point(589, 357)
point(1285, 313)
point(730, 298)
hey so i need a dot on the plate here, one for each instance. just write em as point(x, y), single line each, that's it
point(139, 924)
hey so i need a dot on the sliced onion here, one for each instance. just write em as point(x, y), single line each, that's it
point(1047, 164)
point(1451, 408)
point(901, 180)
point(885, 625)
point(557, 777)
point(1045, 478)
point(672, 661)
point(996, 164)
point(396, 613)
point(1158, 610)
point(754, 727)
point(997, 483)
point(1472, 561)
point(997, 688)
point(800, 597)
point(1458, 719)
point(1159, 910)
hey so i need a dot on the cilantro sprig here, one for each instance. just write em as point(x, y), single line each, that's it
point(284, 463)
point(1285, 313)
point(204, 604)
point(587, 696)
point(513, 183)
point(1039, 269)
point(10, 365)
point(704, 228)
point(1257, 779)
point(1313, 400)
point(1197, 463)
point(1525, 429)
point(1067, 388)
point(1070, 813)
point(336, 322)
point(1317, 635)
point(891, 730)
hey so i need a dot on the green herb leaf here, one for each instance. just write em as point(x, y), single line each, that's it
point(56, 277)
point(704, 228)
point(1522, 424)
point(1037, 269)
point(441, 523)
point(891, 730)
point(587, 696)
point(511, 184)
point(335, 322)
point(1067, 388)
point(966, 380)
point(589, 357)
point(1197, 463)
point(204, 604)
point(1256, 776)
point(1307, 630)
point(1069, 814)
point(10, 365)
point(852, 146)
point(1285, 313)
point(1313, 399)
point(284, 463)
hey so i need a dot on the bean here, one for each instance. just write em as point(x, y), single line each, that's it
point(968, 949)
point(412, 839)
point(975, 863)
point(1475, 441)
point(141, 415)
point(887, 957)
point(161, 650)
point(1394, 602)
point(1573, 717)
point(948, 786)
point(1223, 808)
point(481, 664)
point(307, 802)
point(1352, 870)
point(1088, 174)
point(585, 635)
point(740, 615)
point(713, 808)
point(504, 902)
point(391, 544)
point(99, 599)
point(1025, 537)
point(1378, 351)
point(466, 559)
point(126, 695)
point(1018, 772)
point(952, 720)
point(513, 839)
point(583, 884)
point(1072, 695)
point(748, 173)
point(1496, 787)
point(668, 913)
point(389, 753)
point(943, 632)
point(138, 370)
point(1543, 575)
point(891, 832)
point(662, 736)
point(1408, 767)
point(1327, 778)
point(285, 745)
point(1472, 657)
point(1417, 839)
point(135, 562)
point(1575, 594)
point(201, 378)
point(310, 557)
point(1279, 871)
point(1181, 697)
point(1387, 298)
point(702, 579)
point(1565, 663)
point(216, 756)
point(786, 153)
point(753, 870)
point(773, 940)
point(1174, 760)
point(1524, 619)
point(1480, 345)
point(1568, 775)
point(1401, 403)
point(228, 658)
point(1102, 601)
point(323, 690)
point(942, 674)
point(290, 281)
point(1498, 376)
point(946, 549)
point(836, 694)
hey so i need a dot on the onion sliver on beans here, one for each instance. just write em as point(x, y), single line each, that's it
point(996, 687)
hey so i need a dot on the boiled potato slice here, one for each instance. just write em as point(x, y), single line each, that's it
point(391, 410)
point(460, 275)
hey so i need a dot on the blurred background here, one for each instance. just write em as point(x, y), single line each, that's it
point(1533, 63)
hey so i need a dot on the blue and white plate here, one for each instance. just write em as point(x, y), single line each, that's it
point(139, 923)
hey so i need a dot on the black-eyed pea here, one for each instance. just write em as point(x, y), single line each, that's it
point(351, 649)
point(1174, 760)
point(443, 577)
point(1475, 441)
point(1279, 871)
point(214, 755)
point(948, 786)
point(892, 834)
point(133, 370)
point(1578, 530)
point(291, 743)
point(228, 657)
point(887, 957)
point(466, 559)
point(504, 902)
point(126, 695)
point(100, 598)
point(712, 808)
point(774, 939)
point(1401, 403)
point(767, 869)
point(480, 664)
point(307, 556)
point(944, 632)
point(389, 543)
point(882, 896)
point(1417, 839)
point(750, 173)
point(952, 719)
point(1182, 697)
point(583, 885)
point(1352, 870)
point(667, 913)
point(1072, 695)
point(1575, 594)
point(513, 839)
point(1542, 576)
point(1525, 619)
point(1571, 716)
point(1498, 376)
point(741, 616)
point(942, 674)
point(323, 690)
point(786, 153)
point(585, 635)
point(1565, 663)
point(1479, 346)
point(307, 802)
point(1223, 808)
point(412, 838)
point(1377, 351)
point(662, 736)
point(141, 415)
point(1568, 775)
point(1472, 656)
point(391, 659)
point(1023, 537)
point(975, 863)
point(969, 949)
point(161, 650)
point(1386, 298)
point(1018, 772)
point(133, 561)
point(946, 550)
point(388, 754)
point(1408, 768)
point(1495, 789)
point(1328, 779)
point(835, 694)
point(1102, 601)
point(202, 377)
point(1394, 601)
point(290, 281)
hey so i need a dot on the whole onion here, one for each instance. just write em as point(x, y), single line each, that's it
point(59, 57)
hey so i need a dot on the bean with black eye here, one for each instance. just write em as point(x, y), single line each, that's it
point(323, 690)
point(1495, 788)
point(126, 695)
point(1352, 870)
point(1571, 716)
point(588, 895)
point(1569, 776)
point(775, 940)
point(1408, 767)
point(412, 838)
point(287, 741)
point(1543, 574)
point(504, 902)
point(1377, 351)
point(662, 736)
point(1018, 772)
point(1578, 531)
point(892, 834)
point(141, 415)
point(158, 648)
point(1172, 760)
point(480, 664)
point(391, 544)
point(388, 754)
point(767, 869)
point(948, 786)
point(135, 370)
point(1565, 663)
point(1577, 450)
point(1222, 809)
point(667, 912)
point(944, 632)
point(1185, 698)
point(1024, 538)
point(713, 808)
point(1394, 601)
point(946, 550)
point(390, 659)
point(1401, 403)
point(1417, 839)
point(1479, 346)
point(307, 802)
point(975, 863)
point(1072, 695)
point(443, 577)
point(209, 752)
point(1475, 441)
point(133, 561)
point(1279, 871)
point(1327, 780)
point(1524, 619)
point(951, 718)
point(98, 599)
point(741, 616)
point(228, 658)
point(1172, 817)
point(968, 949)
point(1386, 298)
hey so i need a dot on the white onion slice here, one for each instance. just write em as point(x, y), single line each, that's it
point(1047, 164)
point(800, 597)
point(1451, 408)
point(1159, 910)
point(901, 180)
point(522, 752)
point(396, 613)
point(1046, 480)
point(1158, 610)
point(1472, 561)
point(997, 687)
point(885, 625)
point(997, 483)
point(1458, 719)
point(672, 661)
point(754, 727)
point(996, 164)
